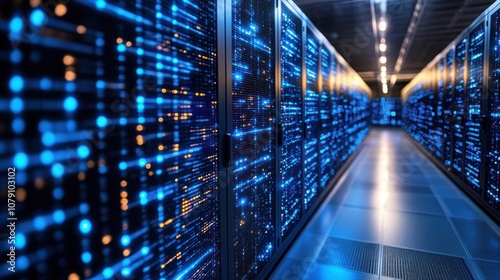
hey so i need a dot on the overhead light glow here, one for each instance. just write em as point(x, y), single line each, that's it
point(382, 25)
point(383, 47)
point(384, 80)
point(394, 79)
point(383, 74)
point(383, 69)
point(383, 59)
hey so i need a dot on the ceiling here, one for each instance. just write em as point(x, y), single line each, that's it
point(348, 25)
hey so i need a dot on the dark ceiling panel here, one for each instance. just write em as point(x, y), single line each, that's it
point(347, 24)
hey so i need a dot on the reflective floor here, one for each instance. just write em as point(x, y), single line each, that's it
point(398, 218)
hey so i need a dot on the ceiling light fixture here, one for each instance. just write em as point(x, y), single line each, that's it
point(383, 59)
point(383, 47)
point(382, 25)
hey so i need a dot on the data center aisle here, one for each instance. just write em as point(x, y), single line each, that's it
point(395, 216)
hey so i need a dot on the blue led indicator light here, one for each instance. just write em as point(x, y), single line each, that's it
point(37, 18)
point(16, 25)
point(83, 151)
point(16, 84)
point(85, 226)
point(125, 240)
point(57, 170)
point(101, 121)
point(107, 273)
point(70, 104)
point(59, 216)
point(21, 160)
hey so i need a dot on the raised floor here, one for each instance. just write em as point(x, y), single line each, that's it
point(394, 215)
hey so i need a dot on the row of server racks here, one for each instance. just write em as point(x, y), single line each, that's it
point(167, 139)
point(387, 111)
point(452, 108)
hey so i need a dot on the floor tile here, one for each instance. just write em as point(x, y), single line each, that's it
point(327, 272)
point(358, 224)
point(480, 240)
point(306, 247)
point(421, 232)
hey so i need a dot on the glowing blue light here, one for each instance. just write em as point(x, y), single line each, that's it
point(140, 51)
point(125, 240)
point(123, 121)
point(57, 170)
point(46, 157)
point(126, 271)
point(83, 151)
point(159, 65)
point(159, 158)
point(121, 47)
point(21, 160)
point(159, 100)
point(18, 125)
point(84, 208)
point(101, 121)
point(20, 240)
point(142, 162)
point(144, 250)
point(107, 273)
point(16, 84)
point(39, 223)
point(100, 4)
point(139, 71)
point(16, 56)
point(70, 87)
point(86, 257)
point(141, 120)
point(122, 165)
point(100, 84)
point(16, 25)
point(99, 42)
point(59, 216)
point(143, 198)
point(23, 263)
point(70, 125)
point(48, 138)
point(16, 105)
point(85, 226)
point(140, 99)
point(70, 104)
point(174, 8)
point(140, 107)
point(58, 193)
point(45, 83)
point(160, 195)
point(37, 18)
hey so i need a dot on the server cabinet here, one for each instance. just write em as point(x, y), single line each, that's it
point(459, 107)
point(254, 140)
point(492, 124)
point(326, 161)
point(448, 107)
point(311, 119)
point(441, 95)
point(291, 121)
point(112, 131)
point(474, 100)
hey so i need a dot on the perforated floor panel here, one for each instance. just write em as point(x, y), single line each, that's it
point(490, 270)
point(415, 265)
point(481, 241)
point(350, 254)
